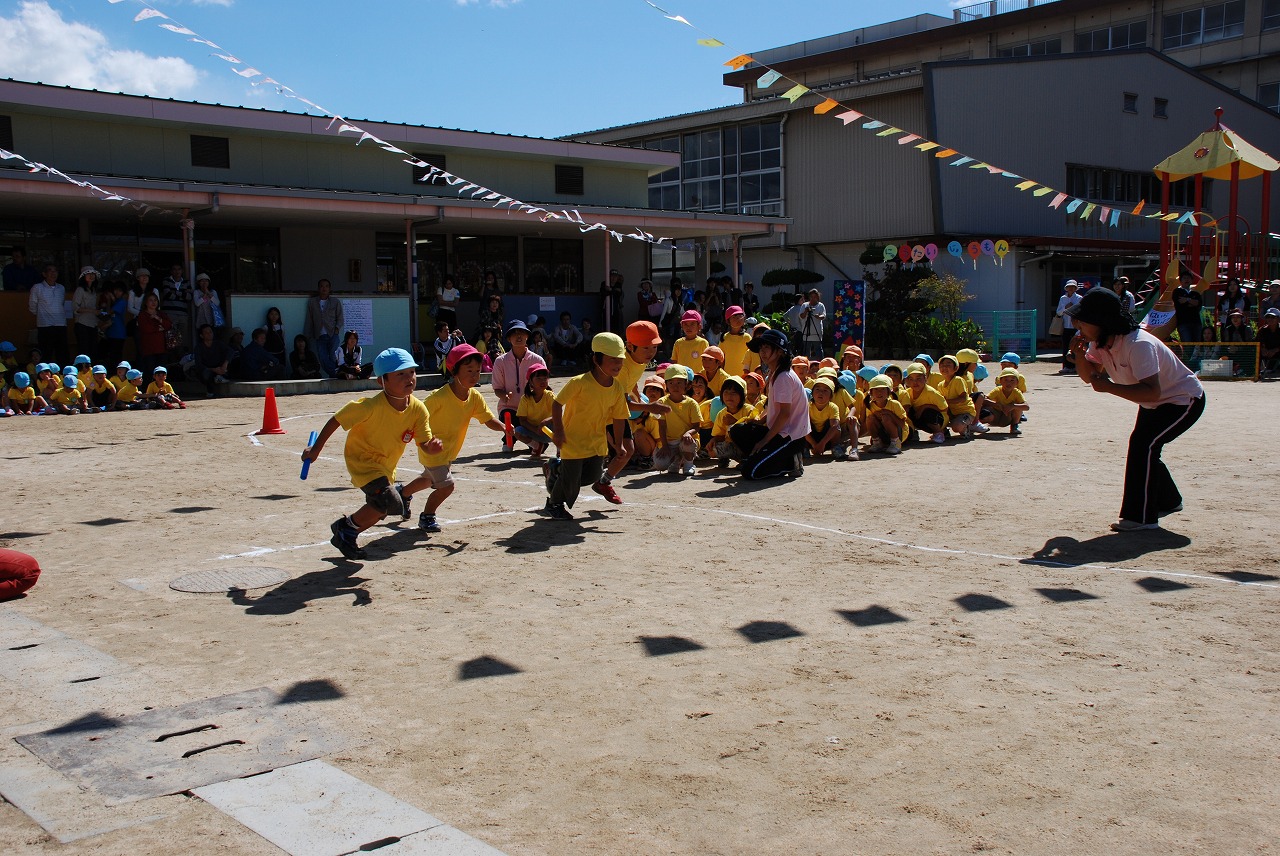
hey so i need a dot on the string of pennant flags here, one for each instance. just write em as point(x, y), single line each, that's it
point(1108, 215)
point(431, 174)
point(89, 186)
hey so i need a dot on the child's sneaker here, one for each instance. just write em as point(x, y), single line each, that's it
point(939, 438)
point(840, 453)
point(895, 446)
point(557, 511)
point(980, 428)
point(404, 501)
point(427, 522)
point(797, 465)
point(607, 491)
point(1015, 430)
point(687, 469)
point(876, 445)
point(344, 538)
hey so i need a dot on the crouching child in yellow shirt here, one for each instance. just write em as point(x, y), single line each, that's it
point(1006, 403)
point(378, 428)
point(678, 428)
point(733, 395)
point(451, 409)
point(886, 421)
point(926, 408)
point(824, 421)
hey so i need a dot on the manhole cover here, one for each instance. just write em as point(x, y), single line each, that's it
point(229, 579)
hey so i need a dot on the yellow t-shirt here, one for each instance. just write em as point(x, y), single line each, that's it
point(957, 387)
point(104, 386)
point(726, 420)
point(688, 352)
point(118, 382)
point(128, 393)
point(760, 404)
point(735, 353)
point(808, 382)
point(450, 418)
point(377, 434)
point(820, 416)
point(166, 389)
point(630, 375)
point(536, 412)
point(717, 380)
point(893, 406)
point(85, 377)
point(685, 414)
point(999, 396)
point(752, 362)
point(935, 379)
point(25, 394)
point(704, 413)
point(69, 397)
point(589, 409)
point(845, 401)
point(927, 396)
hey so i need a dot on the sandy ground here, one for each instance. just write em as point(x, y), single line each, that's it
point(1097, 711)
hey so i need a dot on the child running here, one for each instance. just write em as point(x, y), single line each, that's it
point(641, 345)
point(451, 408)
point(584, 407)
point(378, 428)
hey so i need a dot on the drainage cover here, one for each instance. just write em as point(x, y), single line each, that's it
point(229, 579)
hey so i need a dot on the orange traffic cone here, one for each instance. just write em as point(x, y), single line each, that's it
point(270, 418)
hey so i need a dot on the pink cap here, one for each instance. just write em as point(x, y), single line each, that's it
point(732, 311)
point(457, 354)
point(691, 315)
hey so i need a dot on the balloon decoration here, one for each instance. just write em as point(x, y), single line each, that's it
point(890, 253)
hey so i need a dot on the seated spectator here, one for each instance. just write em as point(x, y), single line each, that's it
point(304, 363)
point(1236, 329)
point(348, 356)
point(235, 345)
point(566, 341)
point(256, 361)
point(212, 363)
point(1269, 342)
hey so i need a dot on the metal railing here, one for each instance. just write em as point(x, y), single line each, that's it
point(994, 7)
point(1011, 330)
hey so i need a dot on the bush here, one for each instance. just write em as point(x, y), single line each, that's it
point(779, 277)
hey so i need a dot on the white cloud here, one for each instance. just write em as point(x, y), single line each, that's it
point(39, 45)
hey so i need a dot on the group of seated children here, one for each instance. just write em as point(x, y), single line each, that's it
point(82, 388)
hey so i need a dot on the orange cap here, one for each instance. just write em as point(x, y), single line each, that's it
point(715, 354)
point(642, 334)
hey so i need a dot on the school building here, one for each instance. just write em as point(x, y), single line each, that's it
point(1085, 96)
point(267, 202)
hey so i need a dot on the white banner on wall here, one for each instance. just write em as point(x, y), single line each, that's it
point(358, 315)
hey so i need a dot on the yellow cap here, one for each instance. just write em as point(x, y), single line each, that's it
point(968, 355)
point(880, 382)
point(609, 344)
point(675, 371)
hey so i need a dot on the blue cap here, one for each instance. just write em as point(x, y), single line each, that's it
point(83, 358)
point(867, 373)
point(132, 374)
point(980, 372)
point(43, 367)
point(158, 369)
point(7, 347)
point(21, 380)
point(124, 364)
point(924, 358)
point(99, 369)
point(392, 360)
point(517, 326)
point(54, 367)
point(1011, 357)
point(69, 370)
point(69, 381)
point(848, 381)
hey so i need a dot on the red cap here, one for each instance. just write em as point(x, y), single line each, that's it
point(642, 334)
point(457, 354)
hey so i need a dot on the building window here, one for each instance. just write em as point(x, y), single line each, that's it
point(6, 133)
point(1099, 184)
point(676, 260)
point(759, 179)
point(552, 265)
point(1209, 24)
point(700, 170)
point(1161, 108)
point(569, 180)
point(1044, 48)
point(1269, 96)
point(212, 152)
point(664, 187)
point(1113, 38)
point(732, 168)
point(1271, 15)
point(420, 172)
point(1130, 102)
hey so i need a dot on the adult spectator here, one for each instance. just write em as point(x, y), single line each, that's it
point(611, 297)
point(153, 327)
point(1271, 300)
point(208, 306)
point(491, 316)
point(175, 286)
point(489, 290)
point(19, 274)
point(511, 369)
point(776, 446)
point(323, 325)
point(447, 299)
point(84, 302)
point(1187, 303)
point(1069, 299)
point(1234, 299)
point(116, 330)
point(175, 301)
point(1120, 285)
point(212, 363)
point(235, 347)
point(812, 316)
point(794, 324)
point(750, 302)
point(566, 341)
point(650, 304)
point(733, 294)
point(1269, 341)
point(303, 362)
point(47, 302)
point(256, 363)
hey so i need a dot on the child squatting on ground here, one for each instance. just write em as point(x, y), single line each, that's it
point(378, 428)
point(584, 408)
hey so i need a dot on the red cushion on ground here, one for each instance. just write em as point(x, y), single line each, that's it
point(18, 572)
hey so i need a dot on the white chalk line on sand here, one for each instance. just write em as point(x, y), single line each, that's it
point(906, 545)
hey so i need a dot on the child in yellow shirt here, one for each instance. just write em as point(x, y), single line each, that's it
point(886, 421)
point(101, 395)
point(120, 378)
point(713, 368)
point(451, 408)
point(972, 370)
point(1011, 360)
point(378, 428)
point(954, 387)
point(9, 356)
point(849, 400)
point(67, 400)
point(755, 391)
point(22, 398)
point(160, 393)
point(130, 396)
point(824, 420)
point(688, 350)
point(678, 428)
point(641, 343)
point(645, 429)
point(926, 408)
point(734, 342)
point(701, 395)
point(1006, 402)
point(534, 410)
point(733, 395)
point(584, 409)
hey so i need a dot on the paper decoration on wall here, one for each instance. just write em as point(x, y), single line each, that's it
point(974, 250)
point(904, 252)
point(1107, 217)
point(1002, 249)
point(849, 312)
point(458, 183)
point(930, 251)
point(955, 249)
point(988, 247)
point(917, 253)
point(890, 253)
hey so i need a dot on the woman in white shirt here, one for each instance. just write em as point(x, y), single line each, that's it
point(775, 448)
point(85, 302)
point(1115, 356)
point(447, 297)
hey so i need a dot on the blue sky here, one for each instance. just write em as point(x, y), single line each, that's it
point(536, 67)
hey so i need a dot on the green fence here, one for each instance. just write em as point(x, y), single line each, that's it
point(1013, 330)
